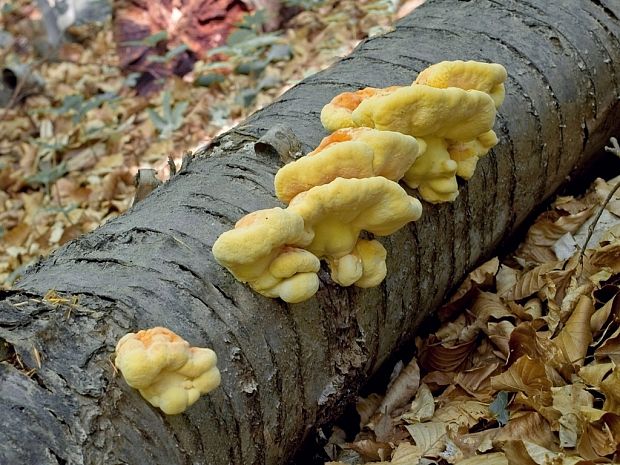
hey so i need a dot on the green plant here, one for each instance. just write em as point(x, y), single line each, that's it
point(172, 117)
point(248, 51)
point(79, 106)
point(47, 176)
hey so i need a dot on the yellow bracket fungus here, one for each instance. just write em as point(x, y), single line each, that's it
point(424, 134)
point(337, 113)
point(363, 267)
point(486, 77)
point(169, 373)
point(334, 214)
point(420, 111)
point(452, 100)
point(263, 251)
point(348, 153)
point(434, 173)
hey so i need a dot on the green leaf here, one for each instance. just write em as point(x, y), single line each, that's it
point(168, 56)
point(499, 408)
point(207, 80)
point(279, 52)
point(47, 176)
point(177, 114)
point(251, 67)
point(157, 120)
point(149, 41)
point(239, 36)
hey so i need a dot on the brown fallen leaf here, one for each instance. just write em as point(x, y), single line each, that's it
point(527, 426)
point(610, 387)
point(600, 438)
point(576, 336)
point(442, 357)
point(569, 400)
point(429, 437)
point(526, 375)
point(402, 389)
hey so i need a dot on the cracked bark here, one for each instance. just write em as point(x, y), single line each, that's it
point(288, 368)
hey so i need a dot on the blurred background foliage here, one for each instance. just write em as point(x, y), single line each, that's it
point(93, 90)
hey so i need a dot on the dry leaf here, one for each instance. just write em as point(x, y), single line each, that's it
point(440, 357)
point(496, 458)
point(488, 305)
point(545, 232)
point(610, 349)
point(576, 336)
point(527, 426)
point(402, 390)
point(610, 387)
point(600, 438)
point(422, 407)
point(462, 414)
point(594, 373)
point(371, 450)
point(406, 454)
point(569, 401)
point(525, 375)
point(477, 381)
point(429, 437)
point(532, 281)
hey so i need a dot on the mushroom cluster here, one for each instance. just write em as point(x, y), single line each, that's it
point(425, 134)
point(169, 373)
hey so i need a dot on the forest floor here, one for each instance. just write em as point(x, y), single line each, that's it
point(524, 366)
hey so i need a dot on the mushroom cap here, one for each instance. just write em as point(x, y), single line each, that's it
point(298, 288)
point(434, 173)
point(169, 373)
point(422, 111)
point(373, 255)
point(348, 153)
point(346, 270)
point(345, 159)
point(248, 249)
point(292, 276)
point(337, 113)
point(485, 77)
point(335, 213)
point(466, 154)
point(364, 266)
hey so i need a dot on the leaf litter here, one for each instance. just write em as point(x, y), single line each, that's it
point(525, 368)
point(525, 365)
point(74, 131)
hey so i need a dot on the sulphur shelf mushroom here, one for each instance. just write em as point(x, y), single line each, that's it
point(264, 251)
point(425, 134)
point(169, 373)
point(348, 153)
point(454, 101)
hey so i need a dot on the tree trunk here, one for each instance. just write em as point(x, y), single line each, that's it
point(288, 368)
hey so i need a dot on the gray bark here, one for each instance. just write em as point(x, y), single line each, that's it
point(288, 368)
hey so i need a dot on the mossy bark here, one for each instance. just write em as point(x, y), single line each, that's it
point(288, 368)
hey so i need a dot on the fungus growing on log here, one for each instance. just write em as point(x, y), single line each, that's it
point(434, 173)
point(454, 101)
point(169, 373)
point(425, 134)
point(467, 75)
point(263, 251)
point(348, 153)
point(337, 113)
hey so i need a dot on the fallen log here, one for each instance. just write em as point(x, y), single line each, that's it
point(288, 368)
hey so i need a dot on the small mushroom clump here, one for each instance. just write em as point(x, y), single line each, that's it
point(425, 135)
point(169, 373)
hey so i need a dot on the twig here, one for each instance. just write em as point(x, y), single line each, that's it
point(615, 149)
